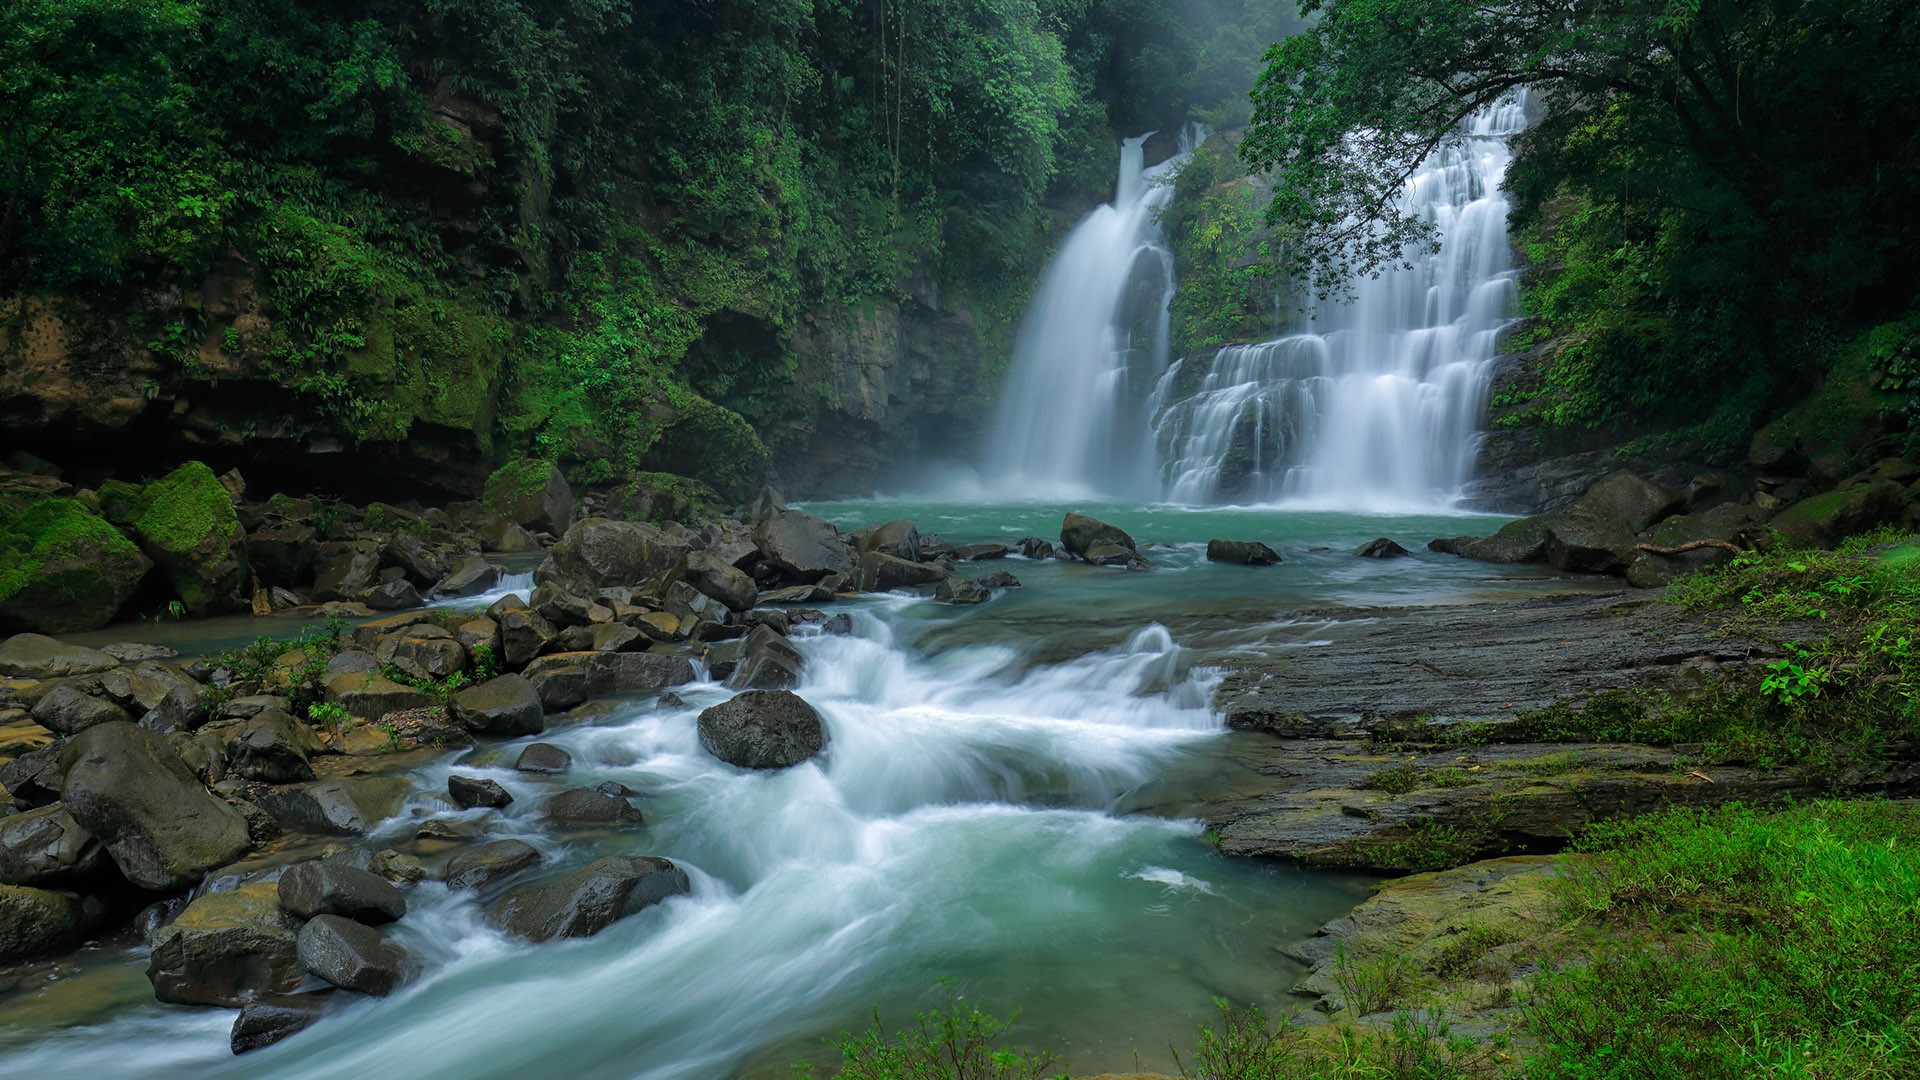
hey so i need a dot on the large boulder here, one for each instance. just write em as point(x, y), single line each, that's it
point(1585, 545)
point(1825, 520)
point(1522, 541)
point(346, 571)
point(1727, 523)
point(33, 656)
point(524, 634)
point(282, 556)
point(763, 729)
point(470, 575)
point(767, 661)
point(478, 867)
point(504, 705)
point(269, 1018)
point(532, 493)
point(1241, 553)
point(879, 572)
point(350, 807)
point(896, 538)
point(327, 887)
point(564, 680)
point(598, 553)
point(159, 825)
point(422, 565)
point(224, 948)
point(76, 705)
point(370, 696)
point(585, 806)
point(34, 921)
point(802, 547)
point(1080, 534)
point(62, 569)
point(1115, 555)
point(1625, 501)
point(715, 579)
point(46, 846)
point(273, 747)
point(590, 899)
point(352, 956)
point(188, 527)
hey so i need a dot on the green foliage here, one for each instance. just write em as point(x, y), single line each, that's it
point(330, 715)
point(1414, 1045)
point(1215, 228)
point(295, 667)
point(1714, 197)
point(957, 1042)
point(1737, 943)
point(1404, 778)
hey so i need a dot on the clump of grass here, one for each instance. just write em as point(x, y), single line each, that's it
point(957, 1042)
point(1245, 1045)
point(1408, 777)
point(1737, 943)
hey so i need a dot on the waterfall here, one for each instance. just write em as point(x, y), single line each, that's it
point(1381, 406)
point(1090, 349)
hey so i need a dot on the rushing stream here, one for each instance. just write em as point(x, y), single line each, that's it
point(1005, 803)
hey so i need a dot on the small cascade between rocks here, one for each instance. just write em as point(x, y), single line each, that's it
point(1380, 406)
point(1091, 347)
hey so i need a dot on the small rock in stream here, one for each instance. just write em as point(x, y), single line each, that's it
point(543, 758)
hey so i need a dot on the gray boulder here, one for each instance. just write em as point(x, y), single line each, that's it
point(272, 1017)
point(159, 825)
point(767, 661)
point(598, 553)
point(523, 634)
point(478, 867)
point(955, 589)
point(564, 680)
point(36, 656)
point(35, 921)
point(46, 846)
point(763, 729)
point(878, 572)
point(352, 956)
point(715, 579)
point(590, 899)
point(1080, 534)
point(802, 547)
point(896, 538)
point(469, 792)
point(471, 575)
point(1382, 548)
point(584, 806)
point(273, 747)
point(76, 705)
point(1241, 553)
point(543, 758)
point(350, 807)
point(330, 887)
point(504, 705)
point(1115, 555)
point(224, 948)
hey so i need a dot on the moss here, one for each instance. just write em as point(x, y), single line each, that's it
point(658, 497)
point(119, 501)
point(62, 569)
point(188, 525)
point(514, 481)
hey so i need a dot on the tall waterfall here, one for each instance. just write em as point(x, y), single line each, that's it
point(1074, 412)
point(1380, 406)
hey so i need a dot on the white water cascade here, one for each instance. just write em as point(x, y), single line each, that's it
point(1091, 347)
point(1380, 406)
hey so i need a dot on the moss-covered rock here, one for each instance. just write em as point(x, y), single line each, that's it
point(1825, 520)
point(186, 523)
point(61, 568)
point(530, 492)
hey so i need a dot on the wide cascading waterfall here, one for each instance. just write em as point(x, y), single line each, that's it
point(1090, 349)
point(1381, 406)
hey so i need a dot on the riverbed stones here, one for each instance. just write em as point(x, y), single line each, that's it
point(1081, 534)
point(954, 589)
point(1115, 555)
point(35, 921)
point(897, 538)
point(470, 792)
point(599, 553)
point(802, 547)
point(224, 948)
point(524, 634)
point(159, 825)
point(346, 570)
point(716, 579)
point(75, 706)
point(353, 956)
point(35, 656)
point(269, 1018)
point(1033, 547)
point(586, 806)
point(543, 758)
point(1382, 548)
point(370, 695)
point(879, 572)
point(273, 747)
point(1241, 553)
point(564, 680)
point(590, 899)
point(470, 575)
point(767, 661)
point(328, 887)
point(999, 579)
point(481, 866)
point(503, 705)
point(347, 807)
point(763, 729)
point(425, 652)
point(46, 845)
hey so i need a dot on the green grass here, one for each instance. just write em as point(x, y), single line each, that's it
point(1739, 943)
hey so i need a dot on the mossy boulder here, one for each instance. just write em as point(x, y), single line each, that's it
point(61, 568)
point(1825, 520)
point(188, 526)
point(530, 492)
